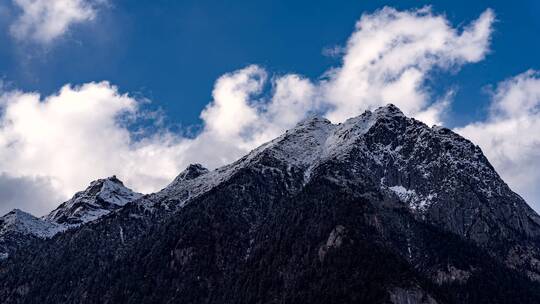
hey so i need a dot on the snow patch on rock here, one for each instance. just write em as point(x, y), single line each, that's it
point(416, 202)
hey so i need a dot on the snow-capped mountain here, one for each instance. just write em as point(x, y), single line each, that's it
point(17, 227)
point(378, 209)
point(25, 223)
point(421, 166)
point(99, 199)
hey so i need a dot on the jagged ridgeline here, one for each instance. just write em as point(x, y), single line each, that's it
point(378, 209)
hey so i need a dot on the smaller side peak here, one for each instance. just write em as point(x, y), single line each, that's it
point(25, 223)
point(17, 216)
point(100, 198)
point(17, 213)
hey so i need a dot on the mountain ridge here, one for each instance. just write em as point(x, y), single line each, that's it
point(378, 209)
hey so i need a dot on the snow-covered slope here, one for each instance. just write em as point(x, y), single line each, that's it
point(27, 224)
point(17, 228)
point(102, 196)
point(99, 199)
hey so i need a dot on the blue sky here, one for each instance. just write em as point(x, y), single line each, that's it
point(140, 89)
point(173, 51)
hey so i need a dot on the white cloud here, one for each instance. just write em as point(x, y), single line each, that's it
point(390, 54)
point(81, 133)
point(232, 110)
point(510, 136)
point(78, 135)
point(43, 21)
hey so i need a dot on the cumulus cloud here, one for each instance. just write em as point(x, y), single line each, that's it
point(80, 134)
point(510, 136)
point(43, 21)
point(83, 132)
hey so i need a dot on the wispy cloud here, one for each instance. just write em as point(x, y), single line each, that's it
point(391, 53)
point(42, 21)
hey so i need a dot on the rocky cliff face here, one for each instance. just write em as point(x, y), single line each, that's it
point(379, 209)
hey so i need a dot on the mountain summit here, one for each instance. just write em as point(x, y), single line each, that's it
point(17, 227)
point(378, 209)
point(100, 198)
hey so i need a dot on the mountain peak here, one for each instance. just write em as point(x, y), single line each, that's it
point(114, 179)
point(16, 213)
point(98, 184)
point(21, 222)
point(98, 199)
point(389, 110)
point(101, 197)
